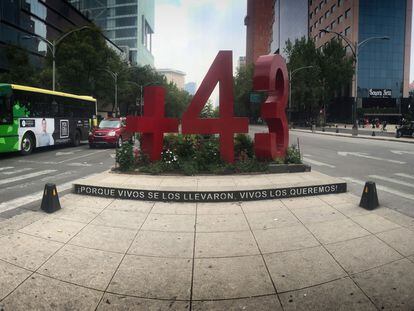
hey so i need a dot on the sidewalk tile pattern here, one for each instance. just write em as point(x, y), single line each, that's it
point(319, 253)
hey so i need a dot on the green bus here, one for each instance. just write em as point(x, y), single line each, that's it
point(32, 117)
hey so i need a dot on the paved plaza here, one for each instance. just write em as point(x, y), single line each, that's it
point(314, 253)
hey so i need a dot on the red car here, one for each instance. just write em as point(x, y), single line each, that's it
point(110, 131)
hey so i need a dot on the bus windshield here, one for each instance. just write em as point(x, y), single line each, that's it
point(5, 111)
point(105, 124)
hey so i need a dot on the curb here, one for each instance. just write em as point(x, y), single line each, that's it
point(350, 136)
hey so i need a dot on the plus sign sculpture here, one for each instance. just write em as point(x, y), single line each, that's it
point(153, 124)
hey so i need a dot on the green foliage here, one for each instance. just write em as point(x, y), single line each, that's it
point(194, 154)
point(293, 155)
point(125, 157)
point(313, 88)
point(21, 71)
point(243, 147)
point(243, 85)
point(170, 159)
point(82, 59)
point(209, 111)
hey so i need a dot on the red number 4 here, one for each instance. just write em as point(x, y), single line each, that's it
point(226, 125)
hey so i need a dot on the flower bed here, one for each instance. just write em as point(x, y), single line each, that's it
point(200, 154)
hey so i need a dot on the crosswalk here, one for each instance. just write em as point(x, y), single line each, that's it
point(398, 184)
point(5, 181)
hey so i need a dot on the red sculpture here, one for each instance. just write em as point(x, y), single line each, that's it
point(221, 71)
point(153, 124)
point(270, 74)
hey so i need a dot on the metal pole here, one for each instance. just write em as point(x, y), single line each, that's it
point(54, 65)
point(356, 87)
point(116, 94)
point(290, 97)
point(140, 102)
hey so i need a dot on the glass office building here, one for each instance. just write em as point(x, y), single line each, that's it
point(128, 23)
point(383, 65)
point(48, 19)
point(381, 62)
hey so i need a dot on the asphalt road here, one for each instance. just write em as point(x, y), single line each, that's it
point(389, 164)
point(22, 178)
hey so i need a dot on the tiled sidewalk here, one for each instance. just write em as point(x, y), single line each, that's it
point(316, 253)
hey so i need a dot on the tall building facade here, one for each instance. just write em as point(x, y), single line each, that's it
point(258, 21)
point(128, 23)
point(290, 23)
point(48, 19)
point(383, 65)
point(175, 76)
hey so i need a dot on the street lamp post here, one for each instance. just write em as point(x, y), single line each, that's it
point(291, 73)
point(115, 76)
point(52, 47)
point(355, 47)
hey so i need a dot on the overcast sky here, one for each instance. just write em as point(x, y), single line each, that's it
point(189, 33)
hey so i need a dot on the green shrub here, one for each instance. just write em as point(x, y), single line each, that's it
point(243, 147)
point(170, 159)
point(155, 168)
point(125, 157)
point(189, 168)
point(250, 165)
point(293, 155)
point(207, 153)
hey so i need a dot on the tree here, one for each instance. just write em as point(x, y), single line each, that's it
point(21, 70)
point(336, 69)
point(243, 86)
point(314, 88)
point(306, 86)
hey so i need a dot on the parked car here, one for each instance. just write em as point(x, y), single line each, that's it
point(111, 131)
point(405, 130)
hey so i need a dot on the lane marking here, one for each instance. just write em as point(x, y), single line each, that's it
point(82, 156)
point(392, 180)
point(317, 163)
point(17, 171)
point(382, 188)
point(37, 162)
point(404, 175)
point(26, 176)
point(60, 153)
point(12, 204)
point(364, 155)
point(6, 168)
point(15, 203)
point(401, 152)
point(79, 164)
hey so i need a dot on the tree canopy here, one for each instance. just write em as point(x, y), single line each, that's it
point(313, 88)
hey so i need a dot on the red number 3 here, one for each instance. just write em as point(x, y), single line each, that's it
point(270, 74)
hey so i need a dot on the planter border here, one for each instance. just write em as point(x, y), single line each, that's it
point(209, 196)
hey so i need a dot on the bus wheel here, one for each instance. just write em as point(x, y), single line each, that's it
point(27, 144)
point(76, 139)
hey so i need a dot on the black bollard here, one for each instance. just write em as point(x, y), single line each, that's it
point(50, 201)
point(373, 133)
point(369, 198)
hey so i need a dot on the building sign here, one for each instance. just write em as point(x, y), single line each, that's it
point(380, 93)
point(209, 196)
